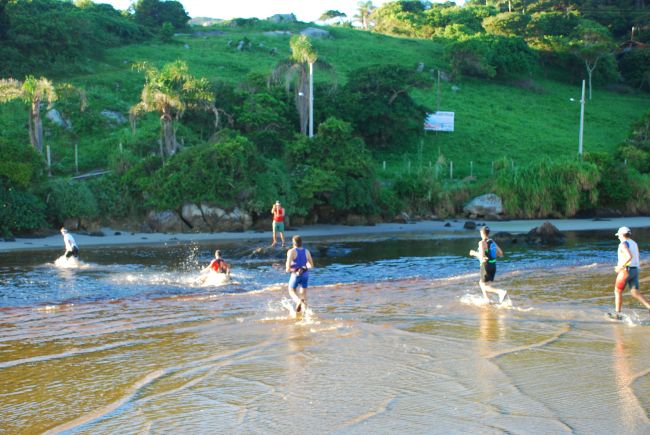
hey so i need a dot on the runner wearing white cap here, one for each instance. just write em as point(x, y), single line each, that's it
point(627, 269)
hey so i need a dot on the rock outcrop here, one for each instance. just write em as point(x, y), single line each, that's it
point(545, 234)
point(199, 218)
point(282, 18)
point(315, 33)
point(488, 206)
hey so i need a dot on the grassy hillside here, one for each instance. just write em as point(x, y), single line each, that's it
point(493, 120)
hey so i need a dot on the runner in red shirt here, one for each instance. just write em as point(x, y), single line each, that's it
point(218, 265)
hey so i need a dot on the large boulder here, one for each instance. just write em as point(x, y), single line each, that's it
point(113, 117)
point(488, 205)
point(218, 220)
point(193, 216)
point(165, 221)
point(355, 220)
point(545, 234)
point(277, 33)
point(315, 33)
point(504, 237)
point(56, 117)
point(239, 220)
point(212, 216)
point(282, 18)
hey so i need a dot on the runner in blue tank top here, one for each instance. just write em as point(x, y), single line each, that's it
point(299, 262)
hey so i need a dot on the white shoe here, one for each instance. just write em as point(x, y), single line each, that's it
point(502, 296)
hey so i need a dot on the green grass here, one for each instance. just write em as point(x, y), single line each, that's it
point(493, 120)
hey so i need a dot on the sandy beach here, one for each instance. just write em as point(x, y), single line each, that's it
point(436, 229)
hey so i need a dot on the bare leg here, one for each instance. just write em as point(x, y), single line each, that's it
point(275, 242)
point(617, 300)
point(638, 296)
point(486, 288)
point(295, 298)
point(282, 237)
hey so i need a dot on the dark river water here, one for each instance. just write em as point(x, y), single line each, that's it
point(397, 339)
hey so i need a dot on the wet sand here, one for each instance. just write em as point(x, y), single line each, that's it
point(406, 356)
point(431, 228)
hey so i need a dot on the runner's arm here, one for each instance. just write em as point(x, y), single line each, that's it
point(627, 260)
point(310, 262)
point(499, 251)
point(290, 254)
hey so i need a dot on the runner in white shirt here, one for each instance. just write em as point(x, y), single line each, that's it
point(71, 248)
point(627, 269)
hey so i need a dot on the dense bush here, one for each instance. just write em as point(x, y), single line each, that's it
point(221, 172)
point(418, 192)
point(46, 35)
point(506, 24)
point(490, 56)
point(376, 100)
point(333, 168)
point(545, 24)
point(635, 67)
point(155, 13)
point(20, 165)
point(548, 188)
point(20, 211)
point(67, 198)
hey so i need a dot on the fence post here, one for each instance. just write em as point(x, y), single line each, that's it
point(384, 165)
point(49, 162)
point(451, 170)
point(492, 172)
point(471, 168)
point(76, 158)
point(409, 167)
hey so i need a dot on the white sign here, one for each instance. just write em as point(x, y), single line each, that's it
point(439, 121)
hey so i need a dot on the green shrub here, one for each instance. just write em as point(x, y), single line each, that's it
point(635, 67)
point(506, 24)
point(68, 199)
point(376, 100)
point(419, 191)
point(109, 196)
point(490, 56)
point(221, 172)
point(548, 188)
point(20, 211)
point(333, 168)
point(20, 165)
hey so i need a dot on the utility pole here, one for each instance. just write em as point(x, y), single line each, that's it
point(311, 99)
point(582, 120)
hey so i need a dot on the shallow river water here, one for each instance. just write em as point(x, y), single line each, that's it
point(397, 340)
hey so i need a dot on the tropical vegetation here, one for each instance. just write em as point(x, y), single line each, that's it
point(220, 114)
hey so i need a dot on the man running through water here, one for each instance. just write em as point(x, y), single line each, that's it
point(278, 222)
point(487, 254)
point(71, 248)
point(627, 269)
point(299, 262)
point(217, 265)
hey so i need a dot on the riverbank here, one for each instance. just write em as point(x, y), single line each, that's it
point(434, 229)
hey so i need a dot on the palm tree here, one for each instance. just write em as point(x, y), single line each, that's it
point(300, 69)
point(365, 8)
point(170, 91)
point(32, 91)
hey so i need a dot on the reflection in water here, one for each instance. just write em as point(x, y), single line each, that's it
point(395, 344)
point(634, 417)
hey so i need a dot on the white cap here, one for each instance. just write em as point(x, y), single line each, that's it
point(623, 231)
point(277, 202)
